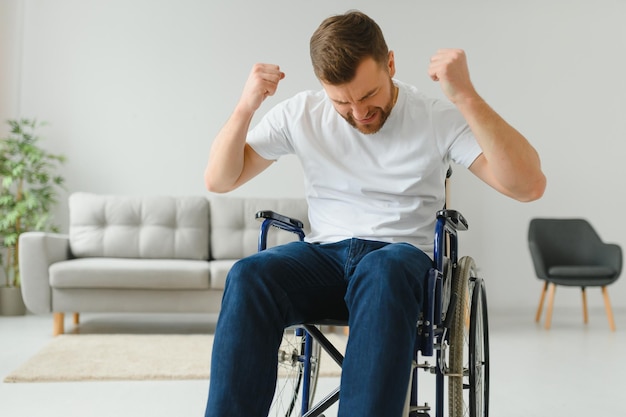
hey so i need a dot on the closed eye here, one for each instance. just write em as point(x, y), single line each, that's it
point(368, 95)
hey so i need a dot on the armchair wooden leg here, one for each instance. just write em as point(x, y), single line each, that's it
point(541, 300)
point(550, 306)
point(76, 318)
point(607, 307)
point(58, 324)
point(585, 313)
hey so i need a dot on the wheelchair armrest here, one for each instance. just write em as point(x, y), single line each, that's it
point(453, 219)
point(279, 218)
point(272, 219)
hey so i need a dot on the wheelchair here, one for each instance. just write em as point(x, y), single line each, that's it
point(452, 328)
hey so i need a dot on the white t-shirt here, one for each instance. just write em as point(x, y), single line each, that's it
point(385, 186)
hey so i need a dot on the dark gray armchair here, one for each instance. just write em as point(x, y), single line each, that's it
point(570, 252)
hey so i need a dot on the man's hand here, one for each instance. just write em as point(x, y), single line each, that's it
point(508, 162)
point(262, 82)
point(449, 67)
point(232, 162)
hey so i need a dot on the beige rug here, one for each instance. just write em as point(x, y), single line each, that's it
point(130, 357)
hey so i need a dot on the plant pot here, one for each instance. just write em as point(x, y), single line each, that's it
point(11, 302)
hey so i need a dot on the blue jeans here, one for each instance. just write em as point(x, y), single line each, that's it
point(377, 286)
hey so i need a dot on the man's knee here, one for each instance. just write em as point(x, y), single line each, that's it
point(261, 273)
point(245, 280)
point(242, 270)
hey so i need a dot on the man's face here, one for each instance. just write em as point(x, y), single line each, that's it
point(367, 100)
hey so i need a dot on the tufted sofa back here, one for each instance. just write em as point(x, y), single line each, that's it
point(139, 227)
point(235, 231)
point(115, 226)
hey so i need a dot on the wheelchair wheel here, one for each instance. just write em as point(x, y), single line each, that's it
point(287, 400)
point(479, 352)
point(468, 375)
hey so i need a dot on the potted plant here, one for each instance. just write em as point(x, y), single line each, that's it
point(28, 192)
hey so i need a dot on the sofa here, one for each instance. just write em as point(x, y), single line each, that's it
point(143, 254)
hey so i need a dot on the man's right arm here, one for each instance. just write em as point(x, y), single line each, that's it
point(232, 162)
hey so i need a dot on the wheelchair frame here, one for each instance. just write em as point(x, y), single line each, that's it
point(453, 327)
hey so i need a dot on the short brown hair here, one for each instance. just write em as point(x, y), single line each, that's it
point(341, 42)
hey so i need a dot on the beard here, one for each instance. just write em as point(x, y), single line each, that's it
point(383, 112)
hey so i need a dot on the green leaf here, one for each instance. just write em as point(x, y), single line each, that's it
point(29, 185)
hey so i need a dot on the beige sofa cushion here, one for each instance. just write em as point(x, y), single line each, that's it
point(119, 273)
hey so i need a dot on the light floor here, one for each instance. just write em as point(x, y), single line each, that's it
point(571, 370)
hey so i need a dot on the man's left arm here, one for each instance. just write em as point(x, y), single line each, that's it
point(508, 163)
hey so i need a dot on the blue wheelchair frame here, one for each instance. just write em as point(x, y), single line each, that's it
point(432, 330)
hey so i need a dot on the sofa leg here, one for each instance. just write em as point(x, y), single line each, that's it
point(58, 324)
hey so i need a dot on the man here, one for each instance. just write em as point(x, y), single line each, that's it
point(374, 153)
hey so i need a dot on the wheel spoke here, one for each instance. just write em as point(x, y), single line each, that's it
point(287, 396)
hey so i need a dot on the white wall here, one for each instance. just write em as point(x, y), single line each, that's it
point(135, 91)
point(10, 48)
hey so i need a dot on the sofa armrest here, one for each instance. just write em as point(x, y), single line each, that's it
point(39, 250)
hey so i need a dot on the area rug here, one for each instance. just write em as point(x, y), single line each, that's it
point(130, 357)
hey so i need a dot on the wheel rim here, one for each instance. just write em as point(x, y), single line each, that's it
point(479, 353)
point(478, 365)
